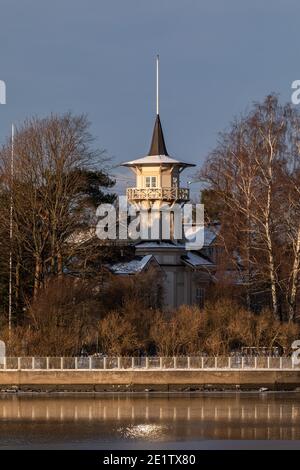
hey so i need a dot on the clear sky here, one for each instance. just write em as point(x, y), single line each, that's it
point(98, 57)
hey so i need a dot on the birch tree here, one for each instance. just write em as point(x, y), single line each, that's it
point(290, 211)
point(246, 171)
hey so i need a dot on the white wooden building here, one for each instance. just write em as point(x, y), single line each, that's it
point(186, 274)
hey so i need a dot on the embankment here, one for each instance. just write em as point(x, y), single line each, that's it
point(147, 380)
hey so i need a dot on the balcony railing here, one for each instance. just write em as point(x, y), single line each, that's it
point(163, 194)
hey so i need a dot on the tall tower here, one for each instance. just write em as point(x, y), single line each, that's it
point(186, 274)
point(157, 174)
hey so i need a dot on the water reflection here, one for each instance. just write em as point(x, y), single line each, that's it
point(94, 419)
point(143, 431)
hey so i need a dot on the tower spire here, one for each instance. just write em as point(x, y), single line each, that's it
point(158, 146)
point(157, 84)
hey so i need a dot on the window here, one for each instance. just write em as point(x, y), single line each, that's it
point(151, 182)
point(200, 296)
point(175, 181)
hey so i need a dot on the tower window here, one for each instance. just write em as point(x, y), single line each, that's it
point(200, 296)
point(151, 182)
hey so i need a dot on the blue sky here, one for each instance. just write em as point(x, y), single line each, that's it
point(98, 57)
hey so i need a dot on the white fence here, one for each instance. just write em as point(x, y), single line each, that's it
point(148, 363)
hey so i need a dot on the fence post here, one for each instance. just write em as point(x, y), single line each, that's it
point(104, 362)
point(4, 362)
point(119, 363)
point(202, 362)
point(19, 363)
point(280, 362)
point(47, 363)
point(160, 363)
point(132, 362)
point(90, 362)
point(229, 362)
point(147, 362)
point(268, 362)
point(216, 362)
point(61, 363)
point(76, 362)
point(32, 363)
point(188, 362)
point(243, 362)
point(175, 362)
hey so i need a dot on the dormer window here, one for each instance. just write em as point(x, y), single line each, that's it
point(151, 181)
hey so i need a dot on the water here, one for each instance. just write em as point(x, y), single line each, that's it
point(186, 421)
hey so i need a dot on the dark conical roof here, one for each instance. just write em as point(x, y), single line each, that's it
point(158, 154)
point(158, 146)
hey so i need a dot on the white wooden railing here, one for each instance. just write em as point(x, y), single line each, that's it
point(149, 363)
point(164, 194)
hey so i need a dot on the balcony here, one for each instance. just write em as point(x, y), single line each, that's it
point(162, 194)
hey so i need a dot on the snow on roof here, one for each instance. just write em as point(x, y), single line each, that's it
point(82, 236)
point(156, 160)
point(196, 260)
point(131, 267)
point(159, 244)
point(210, 234)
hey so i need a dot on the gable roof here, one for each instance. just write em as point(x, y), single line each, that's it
point(135, 266)
point(196, 260)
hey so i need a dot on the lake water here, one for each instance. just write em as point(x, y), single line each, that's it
point(162, 421)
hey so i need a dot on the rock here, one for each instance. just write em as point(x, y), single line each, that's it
point(10, 390)
point(208, 386)
point(263, 389)
point(190, 389)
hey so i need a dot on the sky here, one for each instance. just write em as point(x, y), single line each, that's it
point(98, 57)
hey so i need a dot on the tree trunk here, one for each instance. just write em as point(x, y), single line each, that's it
point(59, 264)
point(17, 286)
point(272, 273)
point(294, 280)
point(37, 276)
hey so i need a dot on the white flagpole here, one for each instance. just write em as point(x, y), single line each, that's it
point(157, 84)
point(11, 229)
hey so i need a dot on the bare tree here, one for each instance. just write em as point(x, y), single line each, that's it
point(290, 211)
point(248, 171)
point(57, 178)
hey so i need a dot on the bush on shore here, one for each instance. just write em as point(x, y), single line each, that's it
point(69, 318)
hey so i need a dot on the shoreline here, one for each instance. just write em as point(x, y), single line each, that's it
point(149, 381)
point(143, 394)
